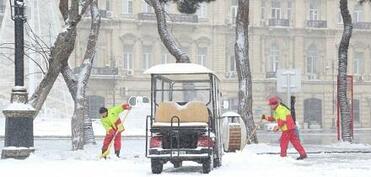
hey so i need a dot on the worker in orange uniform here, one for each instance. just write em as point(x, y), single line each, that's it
point(112, 124)
point(285, 123)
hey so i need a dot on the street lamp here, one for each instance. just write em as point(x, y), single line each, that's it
point(19, 115)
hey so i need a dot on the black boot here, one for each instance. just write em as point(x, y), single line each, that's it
point(117, 153)
point(301, 157)
point(102, 154)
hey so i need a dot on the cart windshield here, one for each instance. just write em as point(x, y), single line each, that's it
point(183, 88)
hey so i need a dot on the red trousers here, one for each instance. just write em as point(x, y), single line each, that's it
point(290, 135)
point(113, 134)
point(117, 140)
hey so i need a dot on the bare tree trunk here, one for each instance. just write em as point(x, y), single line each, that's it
point(243, 68)
point(81, 128)
point(63, 47)
point(346, 134)
point(166, 37)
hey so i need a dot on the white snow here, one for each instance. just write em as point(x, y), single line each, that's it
point(19, 106)
point(178, 68)
point(246, 163)
point(230, 114)
point(53, 156)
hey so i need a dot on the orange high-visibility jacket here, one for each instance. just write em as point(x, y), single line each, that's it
point(283, 117)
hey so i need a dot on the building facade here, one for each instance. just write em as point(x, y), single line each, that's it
point(283, 34)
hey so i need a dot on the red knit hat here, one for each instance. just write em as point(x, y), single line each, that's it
point(274, 100)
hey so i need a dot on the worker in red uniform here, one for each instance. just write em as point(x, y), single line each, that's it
point(286, 124)
point(112, 124)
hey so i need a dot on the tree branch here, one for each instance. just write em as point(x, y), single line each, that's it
point(166, 37)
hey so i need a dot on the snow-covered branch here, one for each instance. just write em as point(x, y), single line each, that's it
point(166, 37)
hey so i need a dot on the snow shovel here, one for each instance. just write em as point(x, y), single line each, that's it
point(254, 131)
point(105, 153)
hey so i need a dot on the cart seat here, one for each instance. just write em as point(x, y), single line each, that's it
point(191, 114)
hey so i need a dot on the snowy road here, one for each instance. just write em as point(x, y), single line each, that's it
point(54, 157)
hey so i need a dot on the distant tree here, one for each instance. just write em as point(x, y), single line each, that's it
point(243, 68)
point(346, 133)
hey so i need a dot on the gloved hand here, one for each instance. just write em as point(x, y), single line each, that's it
point(126, 106)
point(110, 132)
point(121, 128)
point(275, 128)
point(263, 117)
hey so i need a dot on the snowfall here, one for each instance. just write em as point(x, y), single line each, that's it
point(53, 156)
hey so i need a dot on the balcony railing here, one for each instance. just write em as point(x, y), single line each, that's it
point(317, 23)
point(278, 22)
point(362, 25)
point(173, 17)
point(270, 74)
point(100, 71)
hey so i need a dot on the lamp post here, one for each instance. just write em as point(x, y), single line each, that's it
point(19, 114)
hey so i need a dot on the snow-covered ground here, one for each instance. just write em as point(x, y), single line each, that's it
point(58, 161)
point(53, 156)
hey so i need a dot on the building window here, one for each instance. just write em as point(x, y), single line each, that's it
point(147, 52)
point(128, 57)
point(274, 54)
point(127, 7)
point(234, 7)
point(276, 9)
point(356, 110)
point(232, 64)
point(314, 10)
point(357, 14)
point(165, 58)
point(289, 10)
point(2, 6)
point(358, 63)
point(108, 4)
point(262, 12)
point(312, 62)
point(146, 7)
point(202, 56)
point(202, 10)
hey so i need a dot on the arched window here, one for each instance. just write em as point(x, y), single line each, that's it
point(357, 14)
point(274, 56)
point(314, 12)
point(276, 9)
point(312, 62)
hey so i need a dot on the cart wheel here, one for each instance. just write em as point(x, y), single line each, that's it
point(217, 162)
point(207, 165)
point(156, 166)
point(177, 164)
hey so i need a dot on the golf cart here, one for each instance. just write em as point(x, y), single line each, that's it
point(185, 122)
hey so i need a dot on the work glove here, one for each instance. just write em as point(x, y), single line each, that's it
point(126, 106)
point(263, 117)
point(110, 132)
point(276, 128)
point(120, 128)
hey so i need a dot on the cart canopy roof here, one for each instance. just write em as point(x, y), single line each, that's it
point(179, 68)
